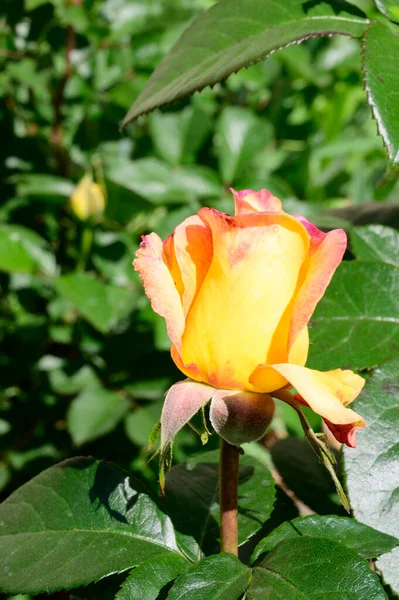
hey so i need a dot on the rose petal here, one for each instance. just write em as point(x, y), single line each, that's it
point(160, 287)
point(345, 434)
point(328, 394)
point(248, 201)
point(325, 254)
point(250, 283)
point(183, 400)
point(193, 248)
point(169, 258)
point(190, 370)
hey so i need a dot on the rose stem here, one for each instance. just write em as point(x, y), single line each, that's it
point(228, 483)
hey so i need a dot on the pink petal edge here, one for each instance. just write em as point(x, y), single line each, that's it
point(183, 400)
point(159, 286)
point(325, 254)
point(249, 201)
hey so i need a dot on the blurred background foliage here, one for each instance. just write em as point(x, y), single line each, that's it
point(84, 362)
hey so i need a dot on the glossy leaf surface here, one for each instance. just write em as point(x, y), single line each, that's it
point(372, 472)
point(234, 34)
point(75, 523)
point(366, 541)
point(381, 69)
point(314, 569)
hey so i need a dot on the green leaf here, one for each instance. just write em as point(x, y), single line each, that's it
point(237, 34)
point(32, 4)
point(356, 324)
point(71, 383)
point(314, 569)
point(381, 76)
point(219, 577)
point(140, 422)
point(147, 580)
point(159, 183)
point(23, 250)
point(372, 475)
point(364, 540)
point(5, 475)
point(376, 243)
point(191, 498)
point(388, 565)
point(75, 523)
point(39, 185)
point(100, 304)
point(389, 8)
point(178, 136)
point(240, 136)
point(95, 412)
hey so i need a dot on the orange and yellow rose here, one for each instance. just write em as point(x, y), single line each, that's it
point(237, 293)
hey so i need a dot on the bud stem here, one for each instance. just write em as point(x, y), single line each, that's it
point(228, 484)
point(85, 248)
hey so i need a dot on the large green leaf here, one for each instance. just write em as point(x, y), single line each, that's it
point(366, 541)
point(372, 471)
point(233, 34)
point(95, 412)
point(100, 304)
point(381, 74)
point(75, 523)
point(147, 580)
point(314, 569)
point(191, 498)
point(219, 577)
point(376, 242)
point(356, 324)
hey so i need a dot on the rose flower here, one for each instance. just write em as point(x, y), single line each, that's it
point(237, 294)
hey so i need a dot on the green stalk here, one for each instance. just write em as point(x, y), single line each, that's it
point(85, 247)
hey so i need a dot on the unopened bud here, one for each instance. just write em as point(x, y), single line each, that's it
point(240, 417)
point(88, 199)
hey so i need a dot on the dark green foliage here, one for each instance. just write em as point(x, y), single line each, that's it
point(76, 523)
point(372, 468)
point(289, 572)
point(85, 362)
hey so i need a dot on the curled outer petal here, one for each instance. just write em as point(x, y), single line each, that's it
point(248, 201)
point(159, 286)
point(328, 395)
point(183, 400)
point(325, 254)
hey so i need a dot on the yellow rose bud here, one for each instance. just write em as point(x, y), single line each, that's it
point(237, 294)
point(87, 200)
